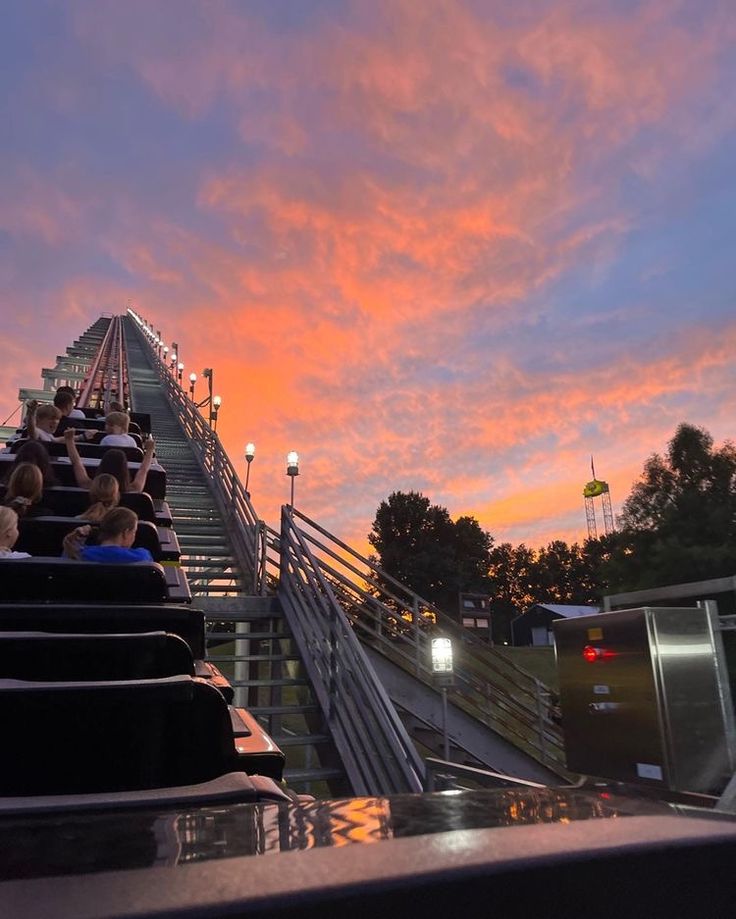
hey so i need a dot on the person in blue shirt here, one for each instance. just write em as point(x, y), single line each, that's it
point(116, 536)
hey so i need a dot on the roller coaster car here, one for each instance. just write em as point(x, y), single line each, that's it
point(91, 737)
point(62, 469)
point(44, 536)
point(58, 580)
point(69, 501)
point(89, 619)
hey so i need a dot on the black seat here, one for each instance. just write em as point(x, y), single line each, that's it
point(71, 738)
point(187, 623)
point(91, 449)
point(44, 536)
point(142, 420)
point(62, 657)
point(62, 469)
point(54, 580)
point(69, 501)
point(97, 450)
point(183, 621)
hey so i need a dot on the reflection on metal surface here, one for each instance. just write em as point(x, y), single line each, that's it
point(667, 719)
point(49, 846)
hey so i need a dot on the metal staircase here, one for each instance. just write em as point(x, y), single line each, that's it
point(248, 637)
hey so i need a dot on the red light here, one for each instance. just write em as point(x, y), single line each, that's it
point(592, 654)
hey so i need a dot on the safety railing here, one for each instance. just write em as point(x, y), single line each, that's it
point(377, 753)
point(398, 623)
point(247, 533)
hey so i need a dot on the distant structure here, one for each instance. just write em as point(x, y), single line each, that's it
point(597, 489)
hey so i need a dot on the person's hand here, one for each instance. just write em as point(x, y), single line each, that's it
point(89, 434)
point(150, 445)
point(69, 435)
point(31, 406)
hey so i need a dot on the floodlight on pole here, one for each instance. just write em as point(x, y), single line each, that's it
point(442, 670)
point(292, 470)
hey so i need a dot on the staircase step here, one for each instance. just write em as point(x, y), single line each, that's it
point(284, 681)
point(257, 710)
point(300, 740)
point(318, 774)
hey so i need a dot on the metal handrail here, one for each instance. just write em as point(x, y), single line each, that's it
point(245, 529)
point(377, 752)
point(399, 624)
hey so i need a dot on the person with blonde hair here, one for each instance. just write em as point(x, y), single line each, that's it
point(9, 534)
point(25, 491)
point(116, 431)
point(104, 494)
point(42, 421)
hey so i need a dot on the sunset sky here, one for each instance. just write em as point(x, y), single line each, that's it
point(454, 246)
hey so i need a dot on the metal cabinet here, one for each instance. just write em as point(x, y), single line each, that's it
point(645, 697)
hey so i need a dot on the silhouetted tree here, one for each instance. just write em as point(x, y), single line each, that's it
point(417, 543)
point(679, 522)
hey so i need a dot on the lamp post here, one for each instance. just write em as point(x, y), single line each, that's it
point(443, 673)
point(216, 403)
point(180, 371)
point(166, 356)
point(192, 382)
point(207, 374)
point(292, 470)
point(250, 452)
point(175, 350)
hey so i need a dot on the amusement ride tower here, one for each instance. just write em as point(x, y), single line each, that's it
point(592, 490)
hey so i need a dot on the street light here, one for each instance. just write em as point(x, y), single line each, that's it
point(216, 403)
point(166, 354)
point(180, 369)
point(443, 673)
point(292, 470)
point(192, 381)
point(207, 374)
point(250, 452)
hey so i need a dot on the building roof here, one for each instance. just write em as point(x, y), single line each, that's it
point(569, 611)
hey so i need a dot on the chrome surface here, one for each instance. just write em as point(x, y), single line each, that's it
point(654, 707)
point(71, 844)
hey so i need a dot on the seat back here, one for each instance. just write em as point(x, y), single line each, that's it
point(72, 738)
point(48, 657)
point(188, 624)
point(44, 536)
point(62, 468)
point(95, 449)
point(55, 580)
point(69, 501)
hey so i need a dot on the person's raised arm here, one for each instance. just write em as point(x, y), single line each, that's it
point(80, 473)
point(139, 482)
point(31, 428)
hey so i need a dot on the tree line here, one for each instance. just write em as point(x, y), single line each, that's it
point(678, 524)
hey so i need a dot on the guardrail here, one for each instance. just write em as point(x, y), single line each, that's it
point(400, 624)
point(377, 752)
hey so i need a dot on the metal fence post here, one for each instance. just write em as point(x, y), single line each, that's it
point(415, 625)
point(540, 717)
